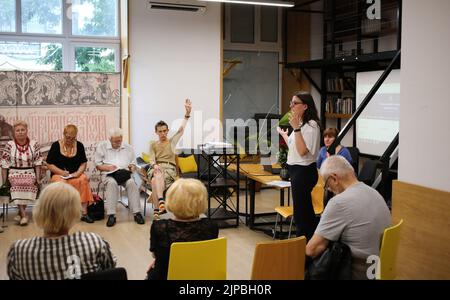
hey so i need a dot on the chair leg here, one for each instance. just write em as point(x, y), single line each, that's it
point(121, 198)
point(275, 228)
point(145, 206)
point(290, 227)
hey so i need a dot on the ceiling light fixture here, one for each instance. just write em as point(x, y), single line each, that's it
point(256, 2)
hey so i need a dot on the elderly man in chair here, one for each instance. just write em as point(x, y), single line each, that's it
point(116, 160)
point(357, 216)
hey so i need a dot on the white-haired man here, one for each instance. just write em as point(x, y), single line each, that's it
point(116, 160)
point(357, 215)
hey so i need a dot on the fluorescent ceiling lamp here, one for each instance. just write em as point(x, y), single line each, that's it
point(256, 2)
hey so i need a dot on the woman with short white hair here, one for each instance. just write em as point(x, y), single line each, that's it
point(186, 200)
point(57, 255)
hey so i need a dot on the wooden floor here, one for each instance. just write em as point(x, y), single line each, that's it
point(130, 242)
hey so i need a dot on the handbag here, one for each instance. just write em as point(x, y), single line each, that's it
point(5, 189)
point(121, 176)
point(97, 209)
point(335, 263)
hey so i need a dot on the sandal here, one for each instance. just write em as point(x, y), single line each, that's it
point(162, 207)
point(156, 215)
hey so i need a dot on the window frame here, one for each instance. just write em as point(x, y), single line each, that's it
point(77, 44)
point(66, 38)
point(258, 45)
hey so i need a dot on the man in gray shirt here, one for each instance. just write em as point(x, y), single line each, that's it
point(357, 215)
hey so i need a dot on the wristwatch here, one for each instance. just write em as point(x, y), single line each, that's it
point(297, 130)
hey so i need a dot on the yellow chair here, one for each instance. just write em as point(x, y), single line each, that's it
point(388, 253)
point(204, 260)
point(317, 195)
point(280, 260)
point(284, 212)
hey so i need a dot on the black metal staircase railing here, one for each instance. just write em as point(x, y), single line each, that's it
point(365, 102)
point(384, 161)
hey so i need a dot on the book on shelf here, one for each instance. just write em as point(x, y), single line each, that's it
point(339, 105)
point(335, 85)
point(340, 84)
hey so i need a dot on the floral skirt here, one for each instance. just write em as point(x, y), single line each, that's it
point(23, 186)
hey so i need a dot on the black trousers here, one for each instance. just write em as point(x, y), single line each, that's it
point(303, 180)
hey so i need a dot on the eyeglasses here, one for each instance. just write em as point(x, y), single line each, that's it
point(294, 103)
point(70, 138)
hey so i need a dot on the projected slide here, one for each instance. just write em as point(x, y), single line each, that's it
point(379, 123)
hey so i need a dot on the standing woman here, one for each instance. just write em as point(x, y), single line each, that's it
point(304, 145)
point(67, 161)
point(21, 164)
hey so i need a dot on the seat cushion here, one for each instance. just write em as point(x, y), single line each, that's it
point(187, 164)
point(145, 157)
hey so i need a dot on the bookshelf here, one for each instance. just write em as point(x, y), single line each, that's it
point(338, 116)
point(339, 96)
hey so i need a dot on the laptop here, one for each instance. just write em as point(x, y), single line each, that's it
point(271, 169)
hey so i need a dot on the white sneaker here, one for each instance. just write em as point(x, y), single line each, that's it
point(17, 218)
point(24, 221)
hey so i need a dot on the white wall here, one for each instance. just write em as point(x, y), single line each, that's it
point(425, 97)
point(174, 55)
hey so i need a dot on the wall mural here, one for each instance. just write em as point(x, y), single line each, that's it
point(48, 101)
point(33, 88)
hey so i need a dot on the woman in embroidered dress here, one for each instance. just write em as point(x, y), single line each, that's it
point(21, 164)
point(67, 161)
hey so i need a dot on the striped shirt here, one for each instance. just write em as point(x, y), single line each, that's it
point(67, 257)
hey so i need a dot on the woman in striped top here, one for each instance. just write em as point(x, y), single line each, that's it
point(58, 255)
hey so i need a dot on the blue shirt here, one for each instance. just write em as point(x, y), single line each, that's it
point(323, 155)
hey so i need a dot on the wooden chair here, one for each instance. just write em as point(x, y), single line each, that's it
point(280, 260)
point(388, 253)
point(204, 260)
point(285, 212)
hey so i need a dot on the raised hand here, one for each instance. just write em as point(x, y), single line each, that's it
point(188, 107)
point(283, 133)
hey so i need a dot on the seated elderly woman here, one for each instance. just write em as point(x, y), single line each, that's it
point(21, 164)
point(186, 200)
point(67, 162)
point(57, 255)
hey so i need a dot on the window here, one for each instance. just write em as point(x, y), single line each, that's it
point(253, 50)
point(249, 27)
point(42, 16)
point(60, 35)
point(7, 15)
point(32, 56)
point(95, 18)
point(242, 23)
point(269, 24)
point(93, 59)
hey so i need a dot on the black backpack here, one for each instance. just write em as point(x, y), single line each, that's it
point(97, 209)
point(335, 263)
